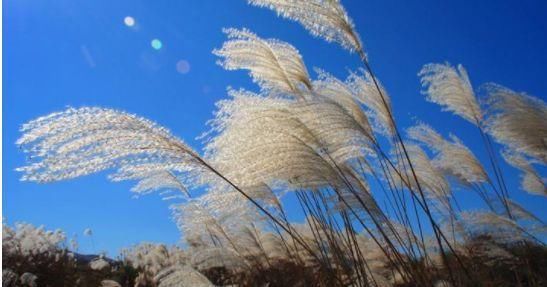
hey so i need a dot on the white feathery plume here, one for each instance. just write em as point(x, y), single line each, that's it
point(315, 239)
point(376, 260)
point(426, 135)
point(216, 217)
point(451, 88)
point(196, 223)
point(99, 264)
point(430, 178)
point(28, 240)
point(492, 252)
point(372, 253)
point(517, 120)
point(501, 228)
point(434, 256)
point(212, 257)
point(453, 157)
point(276, 66)
point(520, 213)
point(266, 195)
point(340, 92)
point(339, 133)
point(359, 200)
point(161, 179)
point(152, 258)
point(181, 276)
point(455, 230)
point(459, 161)
point(229, 208)
point(278, 141)
point(326, 19)
point(379, 104)
point(82, 141)
point(352, 200)
point(531, 180)
point(273, 246)
point(260, 247)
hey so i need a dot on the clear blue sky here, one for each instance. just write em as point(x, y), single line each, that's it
point(80, 53)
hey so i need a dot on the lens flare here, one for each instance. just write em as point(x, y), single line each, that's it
point(156, 44)
point(129, 21)
point(183, 66)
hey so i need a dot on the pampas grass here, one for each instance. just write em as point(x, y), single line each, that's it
point(451, 88)
point(380, 209)
point(518, 121)
point(276, 66)
point(324, 19)
point(531, 181)
point(453, 157)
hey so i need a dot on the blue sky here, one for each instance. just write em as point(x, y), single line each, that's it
point(80, 53)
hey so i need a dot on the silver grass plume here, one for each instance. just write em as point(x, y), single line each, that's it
point(78, 142)
point(99, 264)
point(199, 226)
point(531, 180)
point(28, 240)
point(366, 92)
point(229, 208)
point(353, 200)
point(217, 217)
point(453, 157)
point(501, 228)
point(493, 253)
point(372, 252)
point(340, 92)
point(181, 276)
point(326, 19)
point(151, 258)
point(279, 141)
point(341, 135)
point(276, 66)
point(517, 120)
point(521, 213)
point(451, 88)
point(274, 246)
point(261, 141)
point(217, 257)
point(430, 178)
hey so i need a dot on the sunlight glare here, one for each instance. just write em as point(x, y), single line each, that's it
point(129, 21)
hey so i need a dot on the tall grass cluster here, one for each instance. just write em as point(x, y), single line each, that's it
point(377, 198)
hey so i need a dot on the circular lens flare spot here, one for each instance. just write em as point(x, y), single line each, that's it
point(156, 44)
point(129, 21)
point(183, 66)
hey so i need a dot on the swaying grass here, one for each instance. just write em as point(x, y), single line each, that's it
point(336, 145)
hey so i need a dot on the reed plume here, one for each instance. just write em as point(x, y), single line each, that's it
point(451, 88)
point(531, 180)
point(324, 19)
point(275, 65)
point(518, 121)
point(377, 101)
point(366, 211)
point(82, 141)
point(453, 157)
